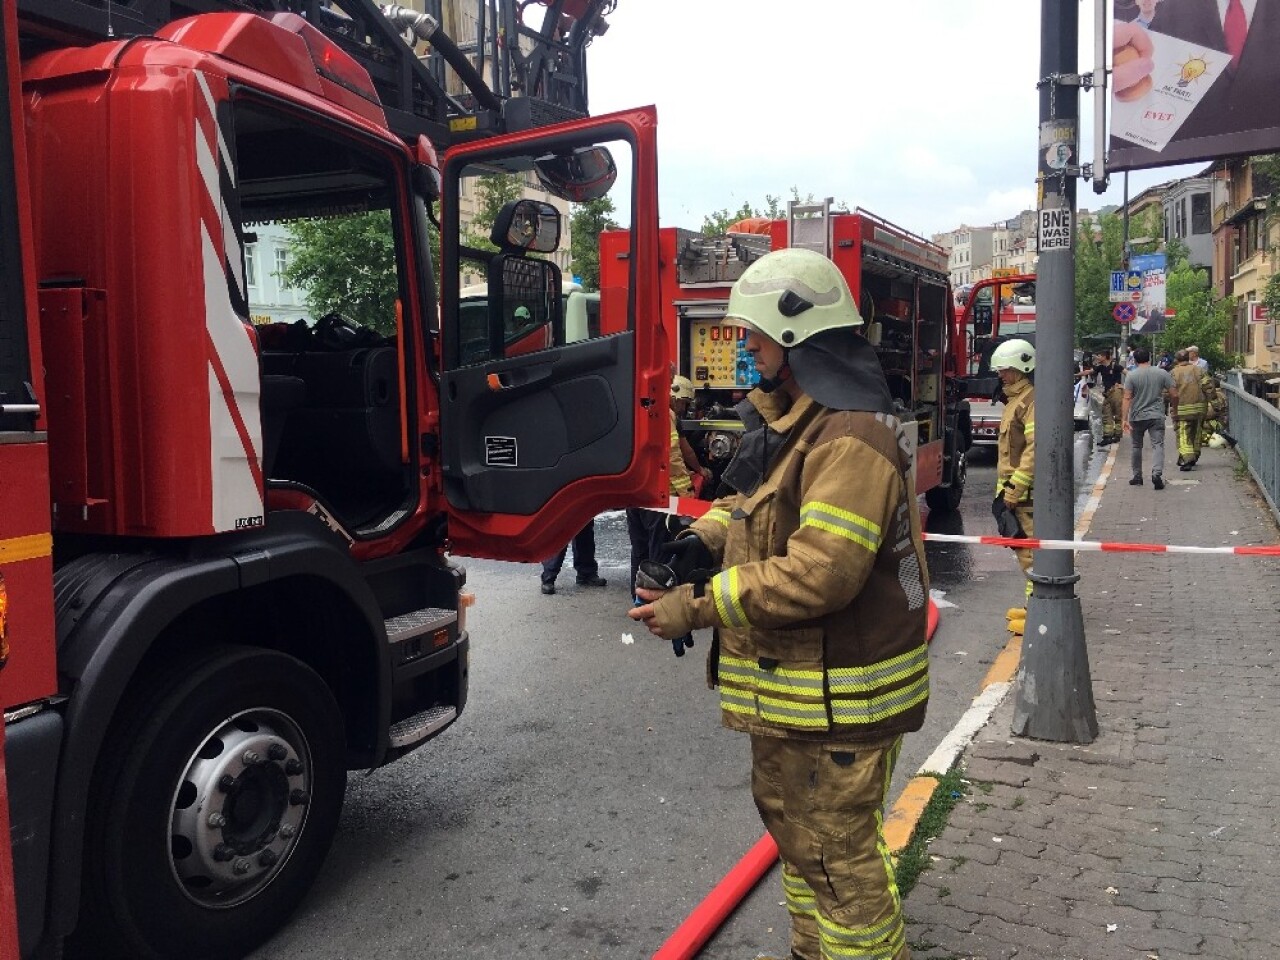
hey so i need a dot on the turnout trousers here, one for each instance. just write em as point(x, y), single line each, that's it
point(1026, 519)
point(1188, 429)
point(1112, 404)
point(823, 803)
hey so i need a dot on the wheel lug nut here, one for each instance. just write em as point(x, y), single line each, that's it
point(226, 782)
point(251, 757)
point(277, 752)
point(293, 767)
point(242, 867)
point(217, 821)
point(222, 853)
point(298, 797)
point(268, 858)
point(287, 830)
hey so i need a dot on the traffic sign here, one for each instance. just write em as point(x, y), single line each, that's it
point(1124, 312)
point(1126, 285)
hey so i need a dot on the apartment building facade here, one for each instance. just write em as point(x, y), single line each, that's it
point(1246, 244)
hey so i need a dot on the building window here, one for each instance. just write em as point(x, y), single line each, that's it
point(288, 294)
point(1201, 215)
point(251, 265)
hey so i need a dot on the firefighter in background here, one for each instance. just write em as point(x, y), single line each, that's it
point(1015, 361)
point(1215, 411)
point(820, 604)
point(681, 400)
point(1109, 376)
point(1188, 415)
point(647, 529)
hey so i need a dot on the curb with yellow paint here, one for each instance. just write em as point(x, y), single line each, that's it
point(901, 822)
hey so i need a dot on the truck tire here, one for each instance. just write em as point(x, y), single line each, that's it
point(212, 808)
point(947, 499)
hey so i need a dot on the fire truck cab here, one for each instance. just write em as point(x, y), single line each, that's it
point(993, 310)
point(227, 550)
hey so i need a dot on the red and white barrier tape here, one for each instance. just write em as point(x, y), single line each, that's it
point(1033, 543)
point(688, 507)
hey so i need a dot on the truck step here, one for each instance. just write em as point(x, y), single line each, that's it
point(420, 726)
point(417, 623)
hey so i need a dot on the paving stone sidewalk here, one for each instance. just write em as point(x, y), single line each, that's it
point(1162, 838)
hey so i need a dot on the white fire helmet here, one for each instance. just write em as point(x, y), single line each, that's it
point(789, 295)
point(1014, 355)
point(681, 388)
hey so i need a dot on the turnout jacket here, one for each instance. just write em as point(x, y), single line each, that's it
point(1016, 448)
point(821, 600)
point(680, 482)
point(1191, 382)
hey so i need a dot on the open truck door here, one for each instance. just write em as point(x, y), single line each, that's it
point(533, 444)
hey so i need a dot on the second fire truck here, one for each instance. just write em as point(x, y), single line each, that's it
point(901, 285)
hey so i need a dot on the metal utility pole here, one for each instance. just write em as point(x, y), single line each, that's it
point(1054, 689)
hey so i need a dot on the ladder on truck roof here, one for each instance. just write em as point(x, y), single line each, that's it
point(540, 78)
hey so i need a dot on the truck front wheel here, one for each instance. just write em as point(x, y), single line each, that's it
point(947, 499)
point(214, 803)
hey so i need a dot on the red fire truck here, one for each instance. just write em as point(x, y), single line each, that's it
point(993, 310)
point(226, 550)
point(901, 284)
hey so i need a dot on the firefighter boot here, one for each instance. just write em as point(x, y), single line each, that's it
point(1017, 619)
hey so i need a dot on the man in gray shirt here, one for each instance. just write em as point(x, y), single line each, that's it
point(1145, 389)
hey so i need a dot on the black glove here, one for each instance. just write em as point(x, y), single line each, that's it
point(1006, 521)
point(688, 557)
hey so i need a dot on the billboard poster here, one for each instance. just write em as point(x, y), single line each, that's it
point(1193, 80)
point(1150, 316)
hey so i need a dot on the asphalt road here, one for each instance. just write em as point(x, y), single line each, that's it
point(588, 798)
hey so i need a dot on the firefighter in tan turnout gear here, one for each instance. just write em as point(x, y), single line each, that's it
point(1193, 385)
point(1014, 361)
point(819, 604)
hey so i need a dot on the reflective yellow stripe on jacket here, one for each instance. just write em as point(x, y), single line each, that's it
point(843, 523)
point(795, 697)
point(717, 515)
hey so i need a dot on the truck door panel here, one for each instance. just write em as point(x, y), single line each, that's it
point(542, 430)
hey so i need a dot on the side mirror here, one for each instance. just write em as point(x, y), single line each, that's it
point(587, 173)
point(530, 225)
point(427, 181)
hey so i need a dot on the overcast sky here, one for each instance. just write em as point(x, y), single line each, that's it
point(923, 111)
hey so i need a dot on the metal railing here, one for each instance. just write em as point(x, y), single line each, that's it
point(1255, 424)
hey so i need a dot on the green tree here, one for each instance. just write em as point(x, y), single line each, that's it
point(775, 208)
point(718, 221)
point(585, 225)
point(1100, 250)
point(1197, 317)
point(346, 264)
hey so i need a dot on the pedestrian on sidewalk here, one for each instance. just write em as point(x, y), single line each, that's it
point(820, 605)
point(1188, 418)
point(1015, 362)
point(1145, 390)
point(584, 561)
